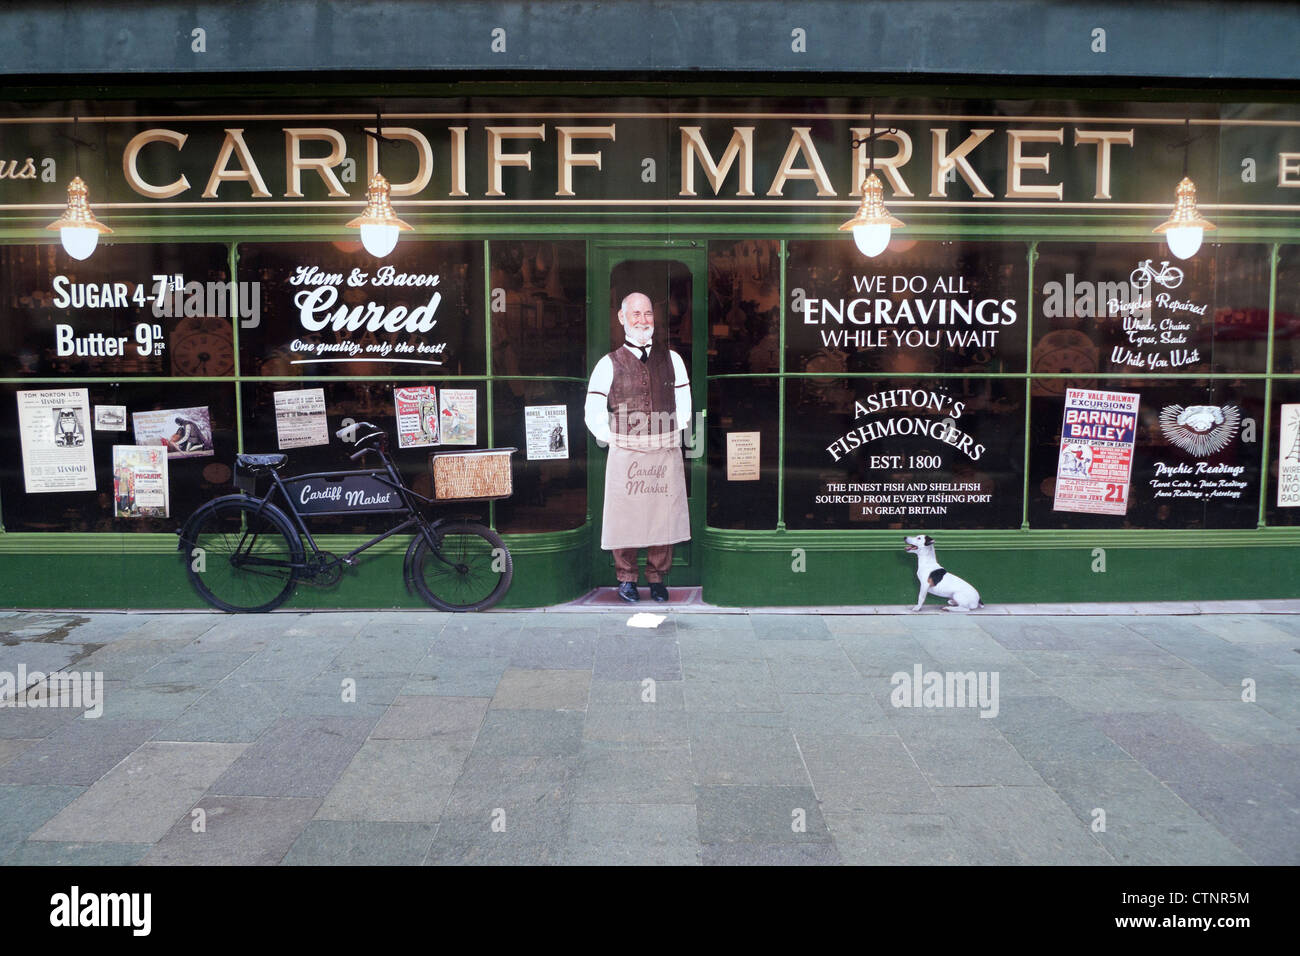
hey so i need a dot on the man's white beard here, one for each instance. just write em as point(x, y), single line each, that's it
point(639, 339)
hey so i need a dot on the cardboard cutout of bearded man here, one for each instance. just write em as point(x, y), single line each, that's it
point(638, 402)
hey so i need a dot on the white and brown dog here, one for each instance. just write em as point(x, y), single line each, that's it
point(937, 581)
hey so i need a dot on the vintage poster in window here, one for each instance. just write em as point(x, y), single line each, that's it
point(54, 427)
point(1095, 463)
point(417, 415)
point(140, 487)
point(546, 432)
point(459, 418)
point(184, 432)
point(742, 456)
point(1288, 462)
point(300, 418)
point(110, 418)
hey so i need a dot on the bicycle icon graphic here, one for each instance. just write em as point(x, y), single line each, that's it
point(1171, 277)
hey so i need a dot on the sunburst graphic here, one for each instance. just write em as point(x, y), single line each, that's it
point(1200, 429)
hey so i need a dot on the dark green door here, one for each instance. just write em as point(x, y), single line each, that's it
point(674, 276)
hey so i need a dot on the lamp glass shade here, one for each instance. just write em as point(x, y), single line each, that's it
point(379, 224)
point(79, 241)
point(872, 239)
point(1184, 240)
point(378, 238)
point(78, 228)
point(1185, 227)
point(872, 223)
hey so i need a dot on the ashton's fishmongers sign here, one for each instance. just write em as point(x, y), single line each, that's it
point(651, 152)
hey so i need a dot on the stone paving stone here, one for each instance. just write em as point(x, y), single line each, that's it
point(458, 845)
point(763, 815)
point(25, 808)
point(324, 696)
point(882, 689)
point(456, 676)
point(360, 843)
point(894, 839)
point(636, 656)
point(730, 749)
point(610, 773)
point(530, 732)
point(827, 677)
point(629, 834)
point(866, 773)
point(630, 693)
point(288, 660)
point(688, 622)
point(456, 640)
point(965, 754)
point(239, 831)
point(35, 722)
point(719, 647)
point(1146, 823)
point(852, 715)
point(965, 649)
point(79, 753)
point(885, 654)
point(803, 652)
point(735, 686)
point(140, 798)
point(9, 749)
point(790, 627)
point(1020, 825)
point(1108, 693)
point(1242, 630)
point(531, 796)
point(76, 854)
point(414, 717)
point(399, 781)
point(637, 724)
point(382, 655)
point(554, 648)
point(168, 626)
point(1031, 634)
point(542, 690)
point(235, 711)
point(163, 702)
point(770, 854)
point(1045, 730)
point(1235, 722)
point(38, 657)
point(296, 757)
point(865, 625)
point(151, 644)
point(1279, 762)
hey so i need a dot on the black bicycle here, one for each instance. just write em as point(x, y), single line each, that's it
point(243, 553)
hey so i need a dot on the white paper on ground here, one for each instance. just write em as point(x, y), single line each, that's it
point(645, 620)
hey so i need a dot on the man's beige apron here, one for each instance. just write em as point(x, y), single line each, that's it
point(645, 498)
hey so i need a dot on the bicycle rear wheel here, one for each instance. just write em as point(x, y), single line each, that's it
point(471, 571)
point(248, 560)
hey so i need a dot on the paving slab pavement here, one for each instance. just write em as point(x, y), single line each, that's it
point(1049, 735)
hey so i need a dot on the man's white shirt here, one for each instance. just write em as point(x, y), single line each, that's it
point(602, 379)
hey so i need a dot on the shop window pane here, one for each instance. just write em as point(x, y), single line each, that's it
point(1286, 327)
point(539, 308)
point(330, 308)
point(1195, 457)
point(1134, 308)
point(904, 453)
point(203, 473)
point(103, 316)
point(360, 401)
point(917, 307)
point(1283, 504)
point(744, 306)
point(742, 496)
point(550, 468)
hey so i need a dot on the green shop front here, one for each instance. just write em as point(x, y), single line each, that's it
point(1025, 370)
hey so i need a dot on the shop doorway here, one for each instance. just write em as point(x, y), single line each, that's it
point(674, 275)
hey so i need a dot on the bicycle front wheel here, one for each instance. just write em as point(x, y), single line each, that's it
point(471, 570)
point(240, 560)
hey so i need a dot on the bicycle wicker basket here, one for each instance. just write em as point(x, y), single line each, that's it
point(479, 475)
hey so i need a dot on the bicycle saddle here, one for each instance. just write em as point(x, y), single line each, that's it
point(258, 462)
